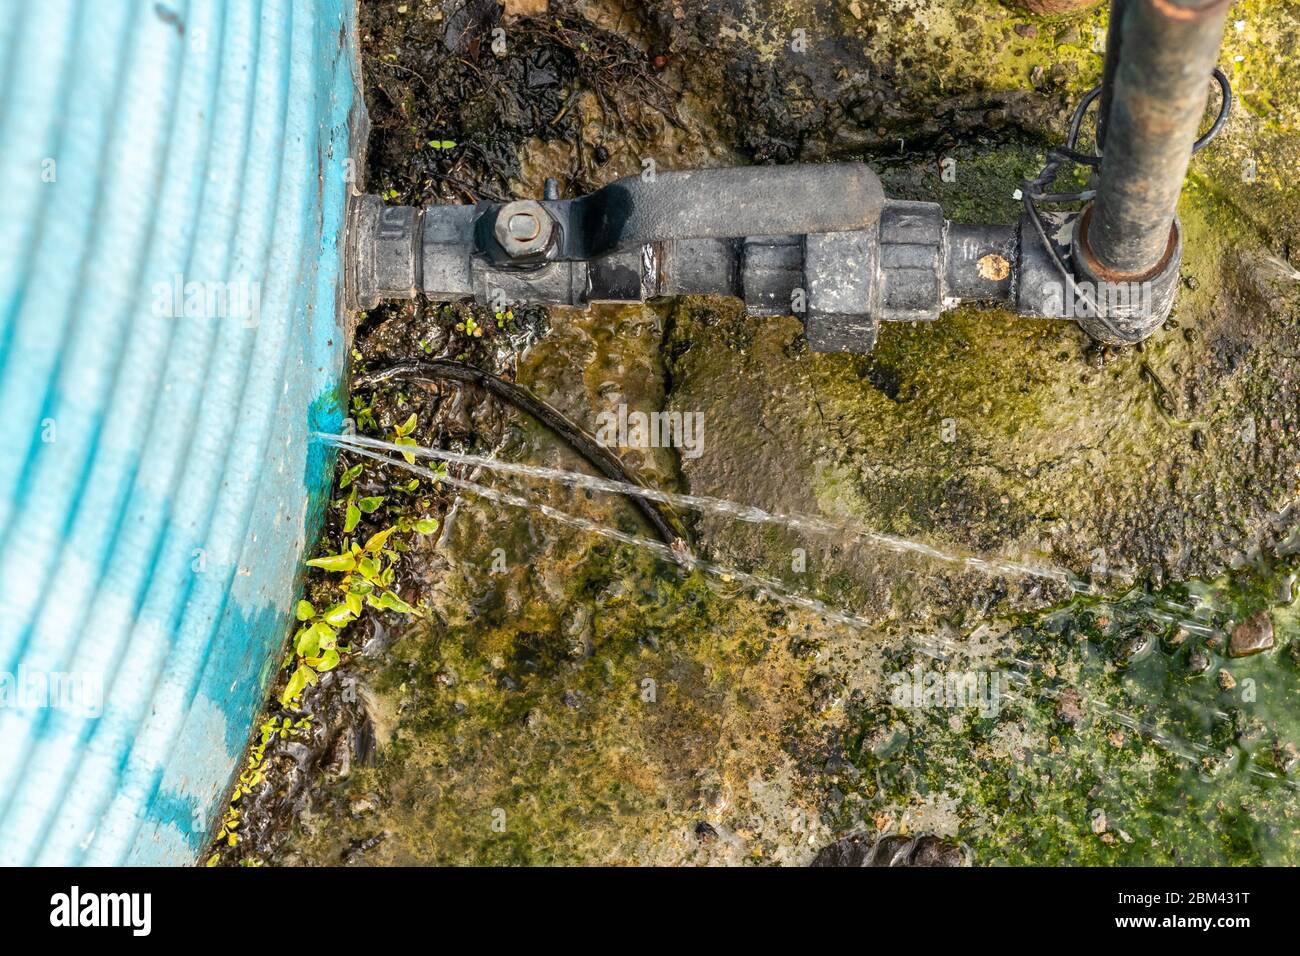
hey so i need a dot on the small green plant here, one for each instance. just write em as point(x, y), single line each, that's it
point(356, 507)
point(367, 574)
point(368, 571)
point(253, 774)
point(470, 327)
point(402, 436)
point(441, 144)
point(364, 414)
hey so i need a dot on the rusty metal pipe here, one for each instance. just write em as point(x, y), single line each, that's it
point(1159, 82)
point(1113, 41)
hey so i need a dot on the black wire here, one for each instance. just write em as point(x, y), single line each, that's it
point(1225, 91)
point(601, 458)
point(1032, 189)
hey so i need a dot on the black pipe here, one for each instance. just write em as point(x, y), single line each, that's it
point(1160, 79)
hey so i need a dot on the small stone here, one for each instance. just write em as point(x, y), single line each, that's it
point(1054, 6)
point(1069, 706)
point(1286, 589)
point(1133, 647)
point(705, 833)
point(931, 851)
point(1198, 662)
point(1068, 37)
point(1252, 636)
point(1226, 680)
point(1285, 756)
point(1027, 30)
point(574, 699)
point(851, 851)
point(893, 850)
point(363, 805)
point(1099, 821)
point(525, 8)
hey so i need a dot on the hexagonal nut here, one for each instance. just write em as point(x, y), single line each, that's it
point(523, 228)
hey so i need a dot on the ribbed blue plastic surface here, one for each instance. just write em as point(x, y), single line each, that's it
point(158, 488)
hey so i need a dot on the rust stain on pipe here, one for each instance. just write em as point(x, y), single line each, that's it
point(1159, 85)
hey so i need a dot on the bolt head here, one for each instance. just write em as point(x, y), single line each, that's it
point(523, 228)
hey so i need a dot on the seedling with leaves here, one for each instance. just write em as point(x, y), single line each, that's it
point(253, 773)
point(364, 413)
point(368, 572)
point(470, 327)
point(402, 436)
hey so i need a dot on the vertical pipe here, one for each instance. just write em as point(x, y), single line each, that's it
point(1159, 84)
point(1113, 35)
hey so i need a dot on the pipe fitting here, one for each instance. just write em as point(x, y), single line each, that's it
point(1116, 308)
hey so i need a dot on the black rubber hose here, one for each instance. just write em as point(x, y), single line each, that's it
point(433, 371)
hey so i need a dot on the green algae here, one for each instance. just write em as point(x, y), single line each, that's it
point(1207, 775)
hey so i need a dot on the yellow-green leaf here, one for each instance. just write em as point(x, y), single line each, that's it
point(410, 459)
point(297, 682)
point(327, 661)
point(348, 477)
point(310, 640)
point(392, 602)
point(378, 540)
point(334, 562)
point(338, 615)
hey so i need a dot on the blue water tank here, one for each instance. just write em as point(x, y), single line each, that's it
point(175, 177)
